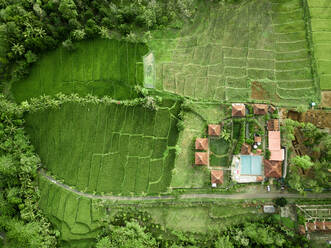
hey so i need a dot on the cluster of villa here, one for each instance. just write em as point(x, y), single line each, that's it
point(202, 156)
point(247, 166)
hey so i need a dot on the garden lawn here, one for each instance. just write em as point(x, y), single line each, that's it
point(111, 149)
point(99, 67)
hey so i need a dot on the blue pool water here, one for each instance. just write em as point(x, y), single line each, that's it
point(251, 165)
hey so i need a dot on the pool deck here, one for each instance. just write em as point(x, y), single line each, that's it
point(236, 170)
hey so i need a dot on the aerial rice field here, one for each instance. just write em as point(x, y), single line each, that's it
point(111, 149)
point(250, 50)
point(320, 16)
point(79, 218)
point(98, 67)
point(227, 47)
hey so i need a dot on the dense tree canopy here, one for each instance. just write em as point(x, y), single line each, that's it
point(136, 229)
point(21, 219)
point(27, 28)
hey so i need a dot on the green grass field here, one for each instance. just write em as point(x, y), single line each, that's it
point(99, 67)
point(107, 148)
point(320, 13)
point(228, 46)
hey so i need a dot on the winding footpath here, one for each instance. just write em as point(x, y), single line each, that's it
point(235, 196)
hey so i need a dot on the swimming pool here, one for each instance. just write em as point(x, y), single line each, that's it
point(250, 165)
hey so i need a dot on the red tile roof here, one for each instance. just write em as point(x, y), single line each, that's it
point(216, 176)
point(274, 140)
point(260, 109)
point(319, 225)
point(201, 158)
point(272, 109)
point(302, 229)
point(272, 169)
point(238, 109)
point(310, 226)
point(245, 149)
point(273, 125)
point(214, 130)
point(258, 139)
point(259, 179)
point(201, 144)
point(277, 155)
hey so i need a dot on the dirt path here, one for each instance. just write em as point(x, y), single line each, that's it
point(235, 196)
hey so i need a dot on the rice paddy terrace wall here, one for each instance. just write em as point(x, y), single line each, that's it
point(107, 148)
point(99, 67)
point(229, 46)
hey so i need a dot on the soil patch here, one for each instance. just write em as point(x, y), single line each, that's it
point(319, 118)
point(326, 98)
point(258, 92)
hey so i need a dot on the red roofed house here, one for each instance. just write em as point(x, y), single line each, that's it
point(201, 158)
point(302, 229)
point(274, 140)
point(272, 169)
point(238, 109)
point(273, 125)
point(214, 130)
point(201, 144)
point(272, 109)
point(260, 109)
point(216, 177)
point(246, 149)
point(277, 155)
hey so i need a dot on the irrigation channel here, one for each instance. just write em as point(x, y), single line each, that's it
point(234, 196)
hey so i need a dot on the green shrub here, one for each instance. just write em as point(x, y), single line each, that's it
point(267, 154)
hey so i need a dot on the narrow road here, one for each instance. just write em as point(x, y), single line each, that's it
point(235, 196)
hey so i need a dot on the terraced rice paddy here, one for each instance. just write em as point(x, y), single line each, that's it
point(113, 149)
point(98, 67)
point(79, 218)
point(320, 14)
point(229, 46)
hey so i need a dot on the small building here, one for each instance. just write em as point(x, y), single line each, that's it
point(201, 158)
point(238, 110)
point(272, 169)
point(259, 178)
point(260, 109)
point(246, 149)
point(271, 109)
point(269, 209)
point(216, 177)
point(258, 139)
point(277, 155)
point(201, 144)
point(273, 125)
point(274, 140)
point(311, 226)
point(214, 130)
point(302, 229)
